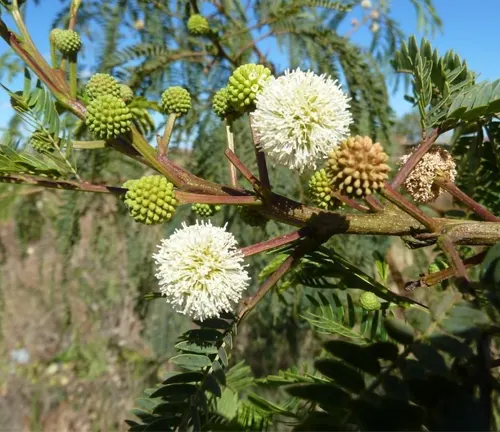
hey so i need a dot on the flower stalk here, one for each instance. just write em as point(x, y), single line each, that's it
point(477, 208)
point(233, 177)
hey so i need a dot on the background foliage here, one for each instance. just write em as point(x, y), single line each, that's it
point(89, 339)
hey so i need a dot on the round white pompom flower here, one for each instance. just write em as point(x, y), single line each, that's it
point(300, 118)
point(200, 270)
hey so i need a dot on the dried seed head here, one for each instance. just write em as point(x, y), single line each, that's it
point(358, 167)
point(420, 183)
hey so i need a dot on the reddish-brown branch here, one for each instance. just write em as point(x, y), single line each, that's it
point(451, 252)
point(351, 203)
point(408, 207)
point(261, 160)
point(374, 204)
point(414, 159)
point(477, 208)
point(242, 168)
point(432, 279)
point(275, 242)
point(60, 184)
point(187, 197)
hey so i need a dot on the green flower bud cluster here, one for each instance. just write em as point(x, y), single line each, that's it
point(252, 217)
point(68, 42)
point(205, 210)
point(126, 93)
point(151, 199)
point(102, 84)
point(41, 141)
point(320, 191)
point(108, 117)
point(176, 100)
point(198, 25)
point(244, 84)
point(369, 301)
point(220, 103)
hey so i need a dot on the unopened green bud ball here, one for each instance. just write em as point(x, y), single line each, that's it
point(245, 84)
point(320, 191)
point(220, 103)
point(176, 100)
point(102, 84)
point(198, 25)
point(126, 93)
point(205, 210)
point(369, 301)
point(151, 199)
point(252, 217)
point(68, 42)
point(107, 117)
point(41, 141)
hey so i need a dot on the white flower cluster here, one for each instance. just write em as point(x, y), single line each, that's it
point(300, 117)
point(200, 270)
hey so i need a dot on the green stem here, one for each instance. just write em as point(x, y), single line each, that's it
point(75, 4)
point(233, 178)
point(53, 52)
point(89, 145)
point(73, 75)
point(165, 139)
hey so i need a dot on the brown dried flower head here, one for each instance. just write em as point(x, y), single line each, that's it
point(358, 167)
point(420, 183)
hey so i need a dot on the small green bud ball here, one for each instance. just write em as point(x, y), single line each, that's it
point(41, 141)
point(244, 84)
point(68, 42)
point(320, 191)
point(176, 100)
point(369, 301)
point(220, 103)
point(151, 199)
point(102, 84)
point(126, 93)
point(205, 210)
point(198, 25)
point(108, 117)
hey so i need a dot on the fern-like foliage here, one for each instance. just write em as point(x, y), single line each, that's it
point(183, 399)
point(384, 385)
point(437, 81)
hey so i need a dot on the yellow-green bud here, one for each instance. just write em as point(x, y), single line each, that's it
point(369, 301)
point(107, 117)
point(126, 93)
point(42, 141)
point(151, 199)
point(244, 84)
point(198, 25)
point(102, 84)
point(220, 103)
point(320, 191)
point(176, 100)
point(205, 210)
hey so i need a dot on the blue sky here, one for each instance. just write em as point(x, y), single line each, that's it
point(467, 28)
